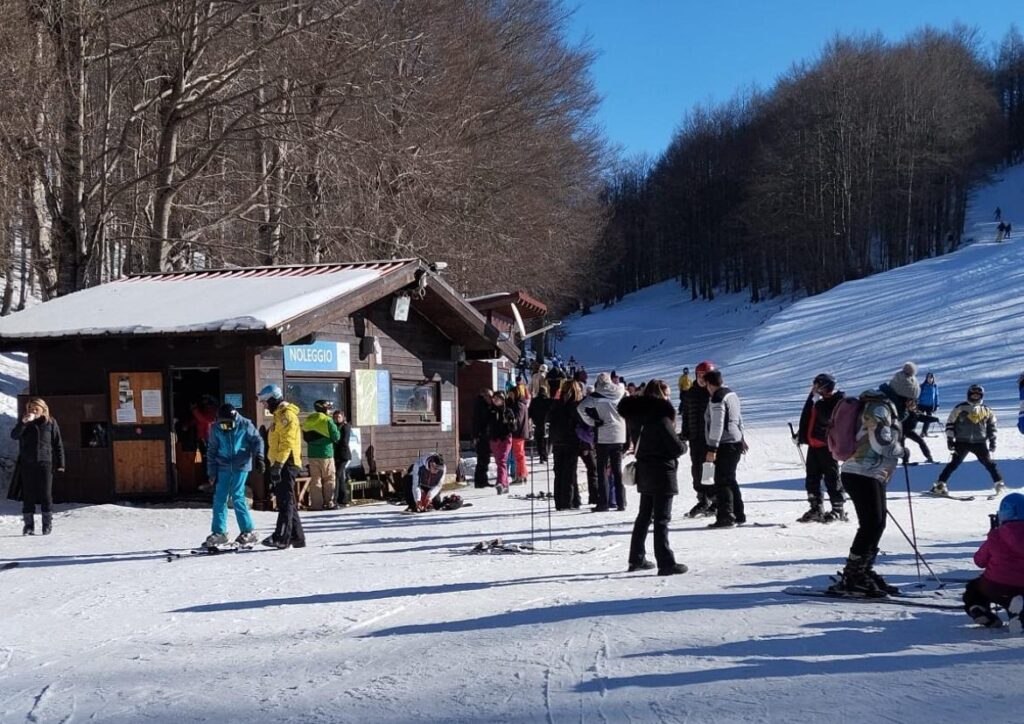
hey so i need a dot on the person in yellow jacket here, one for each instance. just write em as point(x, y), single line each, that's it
point(685, 382)
point(284, 455)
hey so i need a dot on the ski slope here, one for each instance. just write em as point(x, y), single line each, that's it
point(388, 618)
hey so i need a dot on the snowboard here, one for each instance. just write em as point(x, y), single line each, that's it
point(8, 566)
point(915, 600)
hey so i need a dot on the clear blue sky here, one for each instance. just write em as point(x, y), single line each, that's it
point(659, 58)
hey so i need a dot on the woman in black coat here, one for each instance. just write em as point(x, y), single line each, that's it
point(565, 444)
point(40, 450)
point(657, 458)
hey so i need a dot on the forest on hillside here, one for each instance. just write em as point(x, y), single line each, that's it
point(146, 135)
point(857, 162)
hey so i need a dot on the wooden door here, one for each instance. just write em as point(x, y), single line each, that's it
point(139, 432)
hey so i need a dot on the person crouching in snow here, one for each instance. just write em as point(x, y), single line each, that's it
point(1002, 557)
point(425, 478)
point(232, 446)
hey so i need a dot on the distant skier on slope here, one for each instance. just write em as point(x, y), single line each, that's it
point(928, 401)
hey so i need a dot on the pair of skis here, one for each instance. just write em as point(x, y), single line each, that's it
point(923, 599)
point(174, 554)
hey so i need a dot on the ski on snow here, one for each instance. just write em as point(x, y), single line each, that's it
point(961, 498)
point(922, 600)
point(8, 566)
point(174, 554)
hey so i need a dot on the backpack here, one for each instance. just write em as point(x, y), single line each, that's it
point(843, 427)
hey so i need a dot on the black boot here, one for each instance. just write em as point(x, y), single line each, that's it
point(47, 523)
point(855, 581)
point(30, 526)
point(877, 579)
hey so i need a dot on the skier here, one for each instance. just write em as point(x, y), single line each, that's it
point(909, 424)
point(902, 388)
point(425, 476)
point(691, 411)
point(284, 453)
point(970, 425)
point(481, 437)
point(999, 214)
point(928, 401)
point(342, 457)
point(500, 423)
point(658, 451)
point(519, 403)
point(1020, 414)
point(539, 407)
point(40, 450)
point(600, 411)
point(562, 422)
point(864, 476)
point(723, 430)
point(813, 432)
point(232, 447)
point(685, 382)
point(320, 434)
point(1002, 557)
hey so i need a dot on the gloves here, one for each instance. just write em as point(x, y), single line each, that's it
point(686, 447)
point(260, 464)
point(950, 444)
point(906, 456)
point(275, 473)
point(992, 446)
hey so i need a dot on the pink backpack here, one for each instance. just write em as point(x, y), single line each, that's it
point(843, 427)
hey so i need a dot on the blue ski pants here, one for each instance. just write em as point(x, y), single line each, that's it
point(231, 482)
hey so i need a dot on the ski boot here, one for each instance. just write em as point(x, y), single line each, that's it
point(814, 515)
point(215, 540)
point(1015, 609)
point(834, 515)
point(47, 523)
point(854, 580)
point(940, 488)
point(644, 565)
point(999, 486)
point(247, 538)
point(985, 616)
point(271, 542)
point(30, 526)
point(877, 579)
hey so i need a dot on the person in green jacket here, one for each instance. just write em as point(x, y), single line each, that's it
point(320, 434)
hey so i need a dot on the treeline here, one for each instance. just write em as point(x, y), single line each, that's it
point(143, 135)
point(856, 163)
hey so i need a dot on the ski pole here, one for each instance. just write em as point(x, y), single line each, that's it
point(916, 551)
point(910, 504)
point(803, 460)
point(532, 466)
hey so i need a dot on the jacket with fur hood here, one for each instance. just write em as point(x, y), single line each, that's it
point(659, 448)
point(1002, 555)
point(600, 410)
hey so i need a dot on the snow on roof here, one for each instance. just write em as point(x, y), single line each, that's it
point(233, 300)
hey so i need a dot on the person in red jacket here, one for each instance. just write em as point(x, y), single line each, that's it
point(1002, 557)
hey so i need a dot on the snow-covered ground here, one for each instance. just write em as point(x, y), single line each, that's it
point(389, 618)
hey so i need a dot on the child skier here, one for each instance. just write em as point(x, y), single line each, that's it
point(233, 444)
point(970, 425)
point(1002, 557)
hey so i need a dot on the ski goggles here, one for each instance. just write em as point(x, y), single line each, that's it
point(226, 424)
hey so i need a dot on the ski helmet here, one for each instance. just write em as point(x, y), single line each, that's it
point(1011, 508)
point(323, 406)
point(825, 381)
point(975, 390)
point(270, 392)
point(704, 367)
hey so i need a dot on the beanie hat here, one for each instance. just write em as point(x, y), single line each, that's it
point(909, 369)
point(226, 412)
point(905, 384)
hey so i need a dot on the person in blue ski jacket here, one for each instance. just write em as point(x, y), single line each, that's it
point(928, 400)
point(232, 448)
point(1020, 415)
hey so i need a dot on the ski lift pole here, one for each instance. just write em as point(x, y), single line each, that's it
point(792, 432)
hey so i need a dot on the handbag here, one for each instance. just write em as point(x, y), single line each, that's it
point(629, 468)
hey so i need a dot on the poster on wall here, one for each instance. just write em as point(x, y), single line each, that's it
point(355, 446)
point(373, 397)
point(152, 403)
point(446, 416)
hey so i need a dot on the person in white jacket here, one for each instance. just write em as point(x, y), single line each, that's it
point(600, 411)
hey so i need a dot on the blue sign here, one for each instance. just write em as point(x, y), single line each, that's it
point(317, 357)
